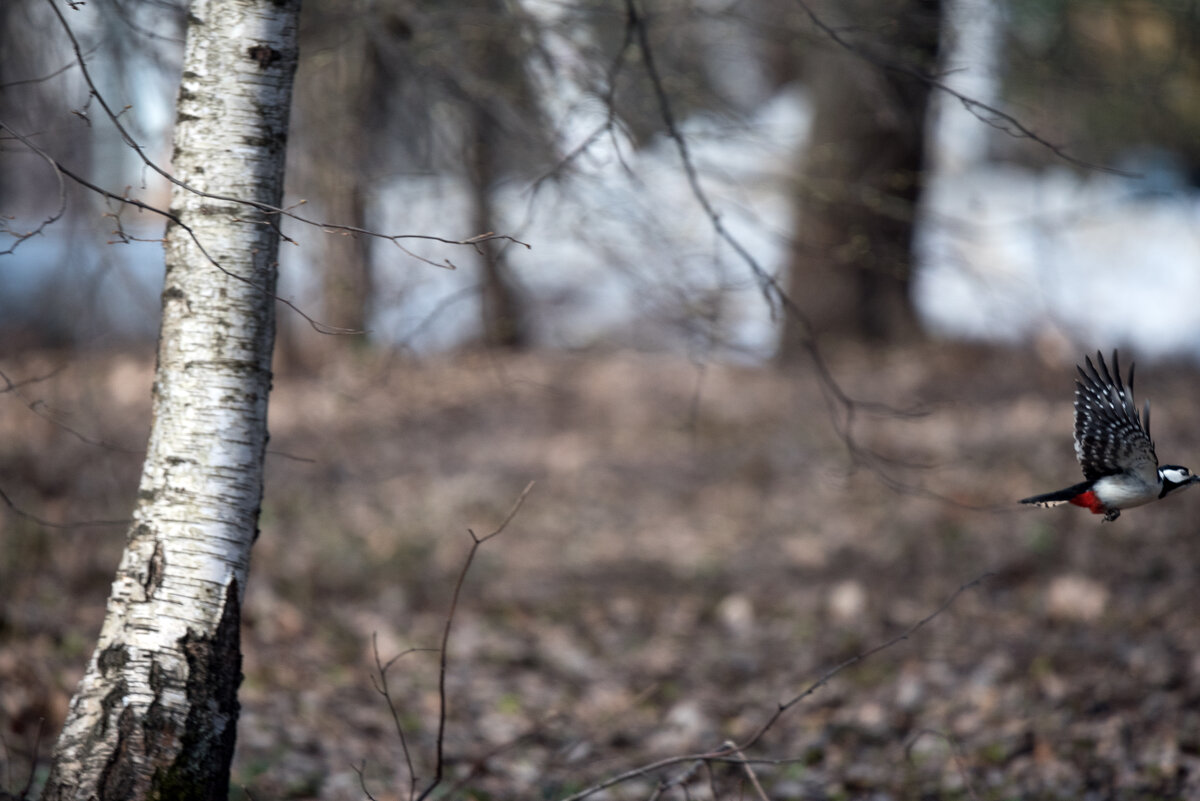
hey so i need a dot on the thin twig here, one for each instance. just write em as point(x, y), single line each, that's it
point(42, 78)
point(10, 385)
point(902, 636)
point(62, 197)
point(476, 542)
point(19, 512)
point(749, 769)
point(42, 409)
point(843, 408)
point(610, 119)
point(266, 208)
point(79, 179)
point(33, 760)
point(766, 283)
point(1000, 120)
point(270, 211)
point(381, 687)
point(362, 779)
point(726, 751)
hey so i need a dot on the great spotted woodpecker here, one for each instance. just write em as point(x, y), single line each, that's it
point(1113, 445)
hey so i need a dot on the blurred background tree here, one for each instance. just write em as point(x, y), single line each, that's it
point(417, 89)
point(541, 120)
point(1117, 77)
point(860, 175)
point(477, 110)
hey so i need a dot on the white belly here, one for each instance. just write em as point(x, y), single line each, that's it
point(1120, 492)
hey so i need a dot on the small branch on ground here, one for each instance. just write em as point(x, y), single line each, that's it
point(734, 752)
point(380, 681)
point(381, 687)
point(477, 541)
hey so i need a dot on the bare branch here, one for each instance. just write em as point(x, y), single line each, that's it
point(901, 637)
point(769, 287)
point(10, 385)
point(610, 120)
point(843, 409)
point(748, 768)
point(61, 171)
point(442, 305)
point(48, 76)
point(476, 542)
point(516, 507)
point(19, 512)
point(987, 114)
point(272, 213)
point(20, 237)
point(362, 779)
point(266, 208)
point(381, 687)
point(730, 752)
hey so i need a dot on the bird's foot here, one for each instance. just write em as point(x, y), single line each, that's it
point(1111, 515)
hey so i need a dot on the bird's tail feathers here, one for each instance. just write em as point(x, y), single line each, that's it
point(1057, 498)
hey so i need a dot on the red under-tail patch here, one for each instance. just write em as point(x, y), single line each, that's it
point(1088, 500)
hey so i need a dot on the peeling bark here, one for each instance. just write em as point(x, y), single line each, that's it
point(155, 715)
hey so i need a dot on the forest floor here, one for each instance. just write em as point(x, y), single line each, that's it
point(700, 546)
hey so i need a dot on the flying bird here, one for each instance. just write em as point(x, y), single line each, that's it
point(1113, 445)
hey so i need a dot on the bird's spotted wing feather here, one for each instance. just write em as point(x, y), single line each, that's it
point(1110, 437)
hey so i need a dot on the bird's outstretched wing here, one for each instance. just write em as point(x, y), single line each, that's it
point(1110, 437)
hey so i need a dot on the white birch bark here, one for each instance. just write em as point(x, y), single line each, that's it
point(155, 715)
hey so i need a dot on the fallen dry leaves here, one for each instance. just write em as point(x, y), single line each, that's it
point(687, 561)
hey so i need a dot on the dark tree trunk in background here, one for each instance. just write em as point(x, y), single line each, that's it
point(346, 275)
point(860, 175)
point(492, 55)
point(340, 116)
point(503, 313)
point(342, 102)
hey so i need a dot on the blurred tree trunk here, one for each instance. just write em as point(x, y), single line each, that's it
point(347, 271)
point(156, 712)
point(339, 119)
point(346, 91)
point(861, 173)
point(504, 323)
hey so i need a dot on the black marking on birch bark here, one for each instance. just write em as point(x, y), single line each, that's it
point(158, 679)
point(158, 726)
point(154, 572)
point(113, 657)
point(111, 700)
point(118, 778)
point(200, 771)
point(141, 530)
point(265, 55)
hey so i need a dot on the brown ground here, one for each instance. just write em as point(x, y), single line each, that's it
point(699, 547)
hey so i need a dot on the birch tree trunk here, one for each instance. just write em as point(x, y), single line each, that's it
point(155, 715)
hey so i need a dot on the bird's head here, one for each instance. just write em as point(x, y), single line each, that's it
point(1175, 477)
